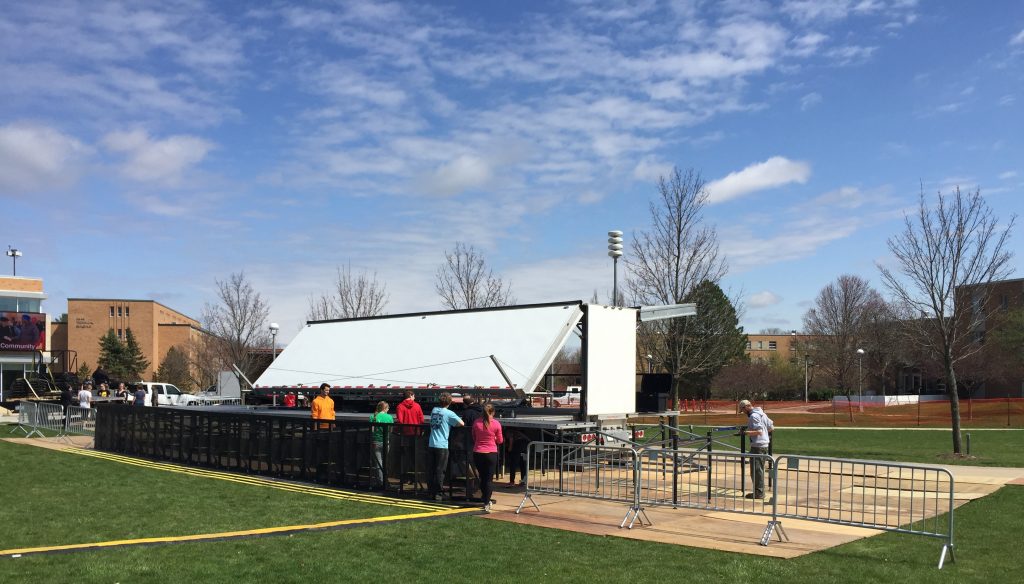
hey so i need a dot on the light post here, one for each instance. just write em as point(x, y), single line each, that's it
point(273, 342)
point(14, 255)
point(650, 363)
point(615, 252)
point(793, 334)
point(860, 380)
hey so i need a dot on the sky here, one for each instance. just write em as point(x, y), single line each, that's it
point(149, 149)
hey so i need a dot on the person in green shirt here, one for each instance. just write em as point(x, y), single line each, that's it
point(380, 416)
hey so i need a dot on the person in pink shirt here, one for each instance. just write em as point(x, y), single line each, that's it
point(486, 438)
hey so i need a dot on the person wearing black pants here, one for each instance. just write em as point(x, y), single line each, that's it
point(486, 438)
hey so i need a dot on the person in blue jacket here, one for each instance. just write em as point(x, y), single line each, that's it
point(441, 422)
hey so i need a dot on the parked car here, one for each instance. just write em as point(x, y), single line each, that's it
point(167, 394)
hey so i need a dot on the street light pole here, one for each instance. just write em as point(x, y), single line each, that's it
point(650, 363)
point(273, 342)
point(14, 255)
point(805, 379)
point(615, 252)
point(860, 380)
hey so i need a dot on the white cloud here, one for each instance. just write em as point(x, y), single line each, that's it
point(463, 173)
point(1008, 175)
point(763, 299)
point(37, 158)
point(1018, 39)
point(810, 100)
point(162, 161)
point(808, 44)
point(772, 173)
point(851, 54)
point(651, 169)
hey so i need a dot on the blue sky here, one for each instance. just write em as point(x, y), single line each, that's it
point(147, 149)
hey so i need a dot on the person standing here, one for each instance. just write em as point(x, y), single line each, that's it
point(140, 395)
point(486, 438)
point(85, 395)
point(758, 427)
point(410, 416)
point(441, 422)
point(516, 445)
point(380, 416)
point(323, 406)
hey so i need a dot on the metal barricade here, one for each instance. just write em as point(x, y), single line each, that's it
point(50, 417)
point(886, 496)
point(704, 480)
point(27, 413)
point(589, 470)
point(81, 421)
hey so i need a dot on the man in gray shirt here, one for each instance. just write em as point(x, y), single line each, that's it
point(758, 427)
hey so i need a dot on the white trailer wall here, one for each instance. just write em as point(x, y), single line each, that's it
point(611, 360)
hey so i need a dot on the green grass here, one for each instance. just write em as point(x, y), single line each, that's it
point(44, 491)
point(988, 447)
point(70, 498)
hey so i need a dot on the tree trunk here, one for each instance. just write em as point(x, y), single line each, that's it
point(954, 402)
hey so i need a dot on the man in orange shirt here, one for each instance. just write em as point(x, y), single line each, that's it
point(323, 406)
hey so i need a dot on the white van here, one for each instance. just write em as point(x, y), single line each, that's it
point(166, 394)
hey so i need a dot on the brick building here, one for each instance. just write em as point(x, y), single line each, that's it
point(156, 327)
point(24, 330)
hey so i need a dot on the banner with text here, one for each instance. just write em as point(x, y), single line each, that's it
point(22, 331)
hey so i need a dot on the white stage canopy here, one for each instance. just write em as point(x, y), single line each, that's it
point(446, 349)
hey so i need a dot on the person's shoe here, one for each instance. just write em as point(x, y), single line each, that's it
point(749, 496)
point(439, 497)
point(487, 507)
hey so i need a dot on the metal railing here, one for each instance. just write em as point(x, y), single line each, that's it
point(80, 421)
point(584, 470)
point(36, 417)
point(902, 498)
point(27, 413)
point(885, 496)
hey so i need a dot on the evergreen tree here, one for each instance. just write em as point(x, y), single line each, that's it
point(135, 363)
point(710, 340)
point(175, 370)
point(112, 355)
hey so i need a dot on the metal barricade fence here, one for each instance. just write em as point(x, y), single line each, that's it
point(886, 496)
point(27, 412)
point(703, 480)
point(50, 417)
point(80, 421)
point(584, 470)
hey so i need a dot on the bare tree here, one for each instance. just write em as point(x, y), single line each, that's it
point(239, 322)
point(666, 265)
point(354, 296)
point(883, 336)
point(836, 322)
point(465, 281)
point(947, 256)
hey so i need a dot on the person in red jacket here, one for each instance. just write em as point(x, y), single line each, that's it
point(410, 417)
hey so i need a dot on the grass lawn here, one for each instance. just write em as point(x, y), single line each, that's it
point(76, 499)
point(43, 488)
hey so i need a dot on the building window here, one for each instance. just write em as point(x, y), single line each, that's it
point(126, 311)
point(111, 311)
point(792, 347)
point(748, 345)
point(760, 345)
point(120, 333)
point(771, 345)
point(1004, 302)
point(119, 311)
